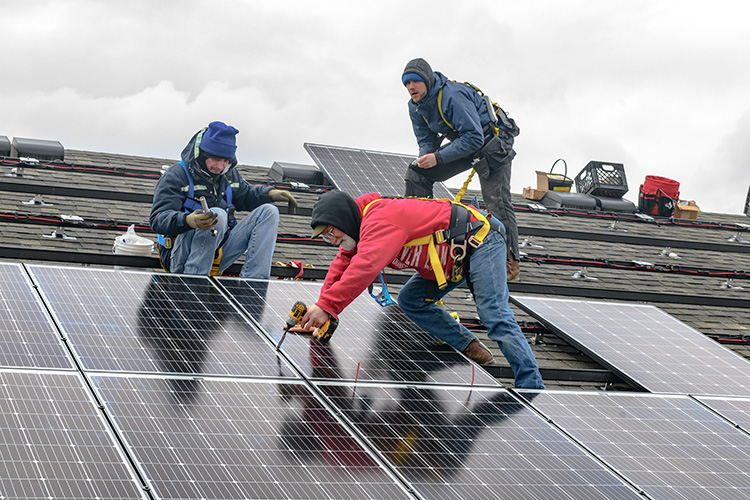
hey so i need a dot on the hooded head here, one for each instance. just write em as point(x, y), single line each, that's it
point(419, 69)
point(219, 140)
point(337, 209)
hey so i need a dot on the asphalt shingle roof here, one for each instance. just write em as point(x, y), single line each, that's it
point(557, 247)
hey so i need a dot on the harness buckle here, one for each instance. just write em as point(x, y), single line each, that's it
point(455, 246)
point(473, 242)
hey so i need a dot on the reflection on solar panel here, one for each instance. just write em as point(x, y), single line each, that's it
point(669, 446)
point(370, 343)
point(463, 443)
point(54, 443)
point(28, 337)
point(240, 439)
point(644, 345)
point(736, 410)
point(132, 321)
point(357, 171)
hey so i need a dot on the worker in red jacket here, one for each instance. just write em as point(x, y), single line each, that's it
point(374, 232)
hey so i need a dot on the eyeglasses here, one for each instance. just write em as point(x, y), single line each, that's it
point(328, 236)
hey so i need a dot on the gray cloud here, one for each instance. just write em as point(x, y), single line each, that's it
point(654, 85)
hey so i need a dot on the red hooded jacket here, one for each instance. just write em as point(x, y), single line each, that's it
point(386, 227)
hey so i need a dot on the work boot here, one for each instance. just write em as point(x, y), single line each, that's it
point(479, 353)
point(513, 270)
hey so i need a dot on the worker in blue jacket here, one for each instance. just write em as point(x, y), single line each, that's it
point(199, 242)
point(441, 109)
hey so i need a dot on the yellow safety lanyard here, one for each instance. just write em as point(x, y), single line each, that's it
point(440, 237)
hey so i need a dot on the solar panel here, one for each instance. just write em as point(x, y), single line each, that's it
point(144, 322)
point(357, 171)
point(370, 343)
point(670, 446)
point(28, 337)
point(464, 443)
point(644, 345)
point(736, 410)
point(55, 443)
point(241, 439)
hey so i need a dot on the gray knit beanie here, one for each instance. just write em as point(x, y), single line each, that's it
point(421, 68)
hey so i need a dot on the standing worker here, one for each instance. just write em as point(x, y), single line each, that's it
point(446, 243)
point(207, 240)
point(439, 109)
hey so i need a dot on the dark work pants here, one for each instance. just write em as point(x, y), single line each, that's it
point(495, 188)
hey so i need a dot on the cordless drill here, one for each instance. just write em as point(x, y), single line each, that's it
point(295, 316)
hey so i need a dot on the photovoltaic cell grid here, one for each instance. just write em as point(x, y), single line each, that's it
point(357, 171)
point(28, 337)
point(370, 343)
point(669, 446)
point(644, 345)
point(736, 410)
point(240, 439)
point(464, 443)
point(143, 322)
point(54, 442)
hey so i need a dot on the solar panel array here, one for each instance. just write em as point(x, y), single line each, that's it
point(173, 387)
point(644, 345)
point(241, 439)
point(55, 443)
point(27, 335)
point(371, 342)
point(464, 443)
point(357, 171)
point(668, 446)
point(139, 322)
point(735, 410)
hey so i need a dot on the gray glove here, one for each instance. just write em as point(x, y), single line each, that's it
point(201, 220)
point(280, 195)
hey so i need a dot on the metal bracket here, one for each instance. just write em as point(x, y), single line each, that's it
point(61, 235)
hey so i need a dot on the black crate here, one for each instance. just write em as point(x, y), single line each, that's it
point(600, 178)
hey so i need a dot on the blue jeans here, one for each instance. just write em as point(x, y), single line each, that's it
point(488, 277)
point(193, 251)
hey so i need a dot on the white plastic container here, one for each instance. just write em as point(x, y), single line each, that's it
point(130, 243)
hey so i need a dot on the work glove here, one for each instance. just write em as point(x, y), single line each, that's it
point(280, 195)
point(201, 220)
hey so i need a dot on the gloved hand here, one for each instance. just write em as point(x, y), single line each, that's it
point(280, 195)
point(201, 220)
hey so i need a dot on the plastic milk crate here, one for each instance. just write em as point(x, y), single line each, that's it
point(602, 179)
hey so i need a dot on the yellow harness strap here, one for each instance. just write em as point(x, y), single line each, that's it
point(462, 191)
point(431, 239)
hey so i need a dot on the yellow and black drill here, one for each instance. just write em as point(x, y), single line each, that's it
point(295, 316)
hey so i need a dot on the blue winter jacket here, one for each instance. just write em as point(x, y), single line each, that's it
point(168, 217)
point(463, 108)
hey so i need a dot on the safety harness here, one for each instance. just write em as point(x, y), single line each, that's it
point(500, 123)
point(461, 231)
point(190, 205)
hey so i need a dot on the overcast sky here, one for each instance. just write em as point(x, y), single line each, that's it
point(660, 86)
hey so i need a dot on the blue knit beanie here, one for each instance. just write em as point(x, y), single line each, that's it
point(411, 76)
point(219, 140)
